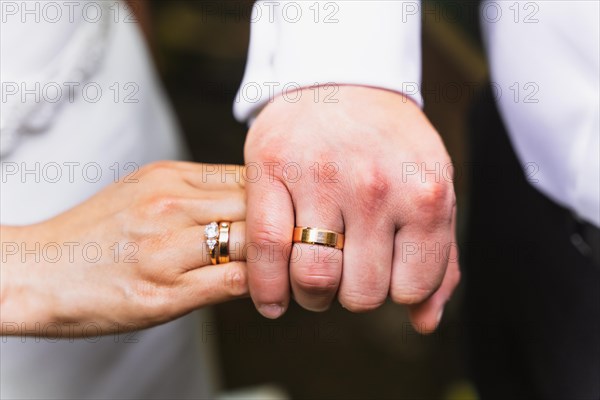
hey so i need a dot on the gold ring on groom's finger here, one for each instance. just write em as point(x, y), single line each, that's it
point(324, 237)
point(217, 240)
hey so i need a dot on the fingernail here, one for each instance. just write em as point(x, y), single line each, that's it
point(439, 317)
point(271, 311)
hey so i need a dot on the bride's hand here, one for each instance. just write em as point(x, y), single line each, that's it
point(131, 257)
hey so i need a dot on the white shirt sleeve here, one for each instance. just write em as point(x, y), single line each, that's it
point(296, 44)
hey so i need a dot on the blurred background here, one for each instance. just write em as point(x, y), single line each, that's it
point(200, 48)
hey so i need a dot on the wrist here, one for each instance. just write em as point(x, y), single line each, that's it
point(25, 283)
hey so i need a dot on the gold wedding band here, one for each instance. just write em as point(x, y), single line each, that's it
point(217, 240)
point(324, 237)
point(223, 253)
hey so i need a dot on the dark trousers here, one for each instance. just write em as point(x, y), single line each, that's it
point(532, 296)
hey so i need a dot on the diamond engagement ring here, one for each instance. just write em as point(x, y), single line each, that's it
point(217, 240)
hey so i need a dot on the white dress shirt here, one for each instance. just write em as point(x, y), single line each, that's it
point(58, 151)
point(544, 59)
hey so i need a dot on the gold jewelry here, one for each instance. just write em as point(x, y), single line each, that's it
point(223, 252)
point(324, 237)
point(217, 240)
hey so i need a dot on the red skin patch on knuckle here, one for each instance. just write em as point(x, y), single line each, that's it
point(432, 194)
point(373, 189)
point(435, 202)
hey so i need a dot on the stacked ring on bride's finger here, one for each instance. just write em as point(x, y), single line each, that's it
point(217, 240)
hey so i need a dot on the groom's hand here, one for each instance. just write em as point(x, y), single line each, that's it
point(370, 166)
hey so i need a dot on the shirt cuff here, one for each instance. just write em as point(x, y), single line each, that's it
point(301, 44)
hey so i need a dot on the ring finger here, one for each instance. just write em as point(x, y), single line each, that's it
point(193, 250)
point(316, 270)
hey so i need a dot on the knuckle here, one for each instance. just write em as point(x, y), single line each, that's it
point(409, 295)
point(158, 168)
point(432, 193)
point(316, 283)
point(265, 278)
point(235, 281)
point(265, 232)
point(359, 303)
point(374, 187)
point(150, 297)
point(435, 199)
point(162, 205)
